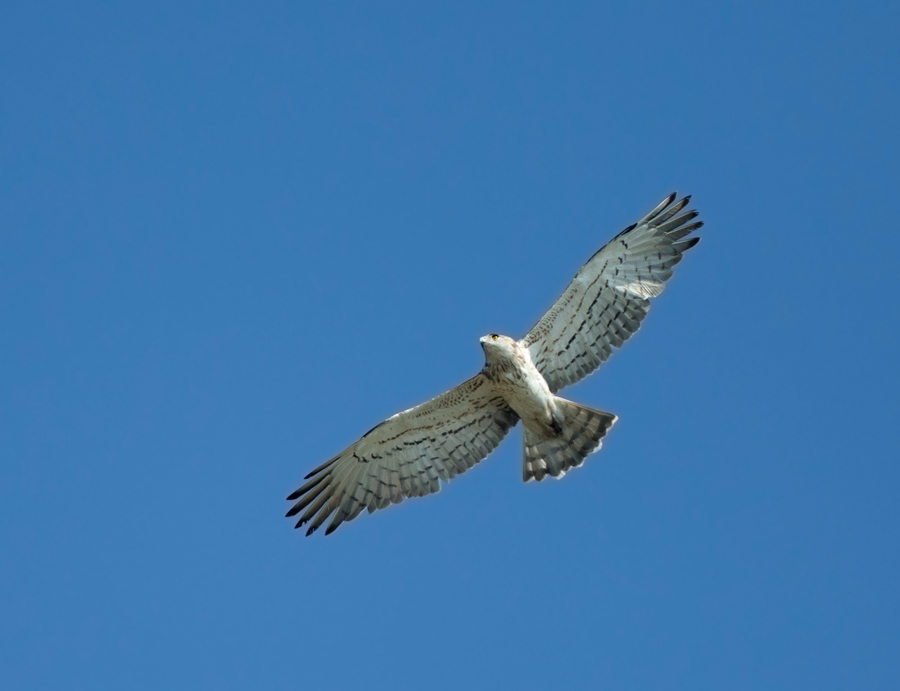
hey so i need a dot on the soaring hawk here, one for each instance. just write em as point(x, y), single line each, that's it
point(409, 454)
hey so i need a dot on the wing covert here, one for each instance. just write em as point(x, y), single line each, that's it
point(609, 297)
point(407, 455)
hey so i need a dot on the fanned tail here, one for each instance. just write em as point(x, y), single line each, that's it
point(582, 430)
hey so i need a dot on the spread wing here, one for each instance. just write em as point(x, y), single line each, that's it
point(407, 455)
point(609, 296)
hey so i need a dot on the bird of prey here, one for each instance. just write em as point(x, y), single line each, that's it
point(409, 454)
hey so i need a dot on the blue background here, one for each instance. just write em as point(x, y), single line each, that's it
point(234, 237)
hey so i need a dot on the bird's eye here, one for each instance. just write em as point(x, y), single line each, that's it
point(494, 337)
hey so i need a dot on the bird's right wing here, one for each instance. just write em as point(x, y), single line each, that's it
point(407, 455)
point(609, 297)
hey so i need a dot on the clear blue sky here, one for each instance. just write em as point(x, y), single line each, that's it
point(234, 237)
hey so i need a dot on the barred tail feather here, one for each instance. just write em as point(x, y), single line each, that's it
point(582, 430)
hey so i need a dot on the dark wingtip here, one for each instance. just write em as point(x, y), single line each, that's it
point(311, 530)
point(293, 495)
point(292, 511)
point(627, 230)
point(330, 529)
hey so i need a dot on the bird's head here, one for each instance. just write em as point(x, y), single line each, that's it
point(498, 348)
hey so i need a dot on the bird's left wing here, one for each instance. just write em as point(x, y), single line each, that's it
point(609, 297)
point(407, 455)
